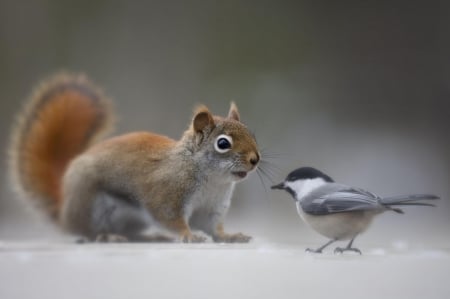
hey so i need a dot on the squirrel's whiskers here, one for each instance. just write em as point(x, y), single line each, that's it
point(118, 188)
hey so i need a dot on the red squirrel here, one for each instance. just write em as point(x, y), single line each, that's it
point(119, 188)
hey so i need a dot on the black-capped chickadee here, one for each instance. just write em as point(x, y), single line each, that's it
point(337, 211)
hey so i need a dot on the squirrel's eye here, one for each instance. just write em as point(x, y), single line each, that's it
point(223, 143)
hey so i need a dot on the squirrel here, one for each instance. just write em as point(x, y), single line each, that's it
point(118, 189)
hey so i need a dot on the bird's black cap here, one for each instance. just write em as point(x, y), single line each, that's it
point(304, 173)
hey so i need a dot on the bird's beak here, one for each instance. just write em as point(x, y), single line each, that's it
point(279, 186)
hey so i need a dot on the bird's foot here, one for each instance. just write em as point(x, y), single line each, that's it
point(319, 250)
point(342, 250)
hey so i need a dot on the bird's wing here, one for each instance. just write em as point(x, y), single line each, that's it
point(337, 198)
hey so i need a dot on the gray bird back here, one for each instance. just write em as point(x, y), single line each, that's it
point(337, 198)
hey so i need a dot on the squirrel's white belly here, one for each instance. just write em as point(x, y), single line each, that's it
point(208, 204)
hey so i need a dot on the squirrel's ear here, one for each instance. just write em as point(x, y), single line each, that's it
point(202, 119)
point(234, 113)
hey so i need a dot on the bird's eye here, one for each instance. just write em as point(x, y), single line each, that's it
point(223, 143)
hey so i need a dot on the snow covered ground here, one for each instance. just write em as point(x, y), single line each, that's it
point(404, 256)
point(257, 270)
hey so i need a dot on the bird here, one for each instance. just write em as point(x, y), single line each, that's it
point(340, 212)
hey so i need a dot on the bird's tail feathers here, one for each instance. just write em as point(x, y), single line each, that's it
point(408, 200)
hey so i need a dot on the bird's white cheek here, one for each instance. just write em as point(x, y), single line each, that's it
point(303, 187)
point(297, 186)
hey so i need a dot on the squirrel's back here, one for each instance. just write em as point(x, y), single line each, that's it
point(63, 117)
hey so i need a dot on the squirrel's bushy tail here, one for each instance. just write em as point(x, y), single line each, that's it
point(408, 200)
point(63, 117)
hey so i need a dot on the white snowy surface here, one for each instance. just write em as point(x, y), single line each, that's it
point(256, 270)
point(404, 256)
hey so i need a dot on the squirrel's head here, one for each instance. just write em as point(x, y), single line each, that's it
point(224, 145)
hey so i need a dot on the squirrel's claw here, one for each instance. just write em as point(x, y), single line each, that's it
point(232, 238)
point(111, 238)
point(193, 238)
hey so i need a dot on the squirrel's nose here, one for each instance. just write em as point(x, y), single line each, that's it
point(254, 159)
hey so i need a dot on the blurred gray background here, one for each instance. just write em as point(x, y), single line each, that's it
point(358, 89)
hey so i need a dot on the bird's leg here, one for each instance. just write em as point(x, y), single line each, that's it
point(319, 250)
point(348, 248)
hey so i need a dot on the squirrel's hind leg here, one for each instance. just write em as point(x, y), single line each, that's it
point(140, 238)
point(116, 218)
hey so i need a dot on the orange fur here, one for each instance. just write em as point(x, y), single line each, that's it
point(63, 117)
point(149, 143)
point(172, 182)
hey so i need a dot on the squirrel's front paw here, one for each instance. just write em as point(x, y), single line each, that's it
point(192, 238)
point(232, 238)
